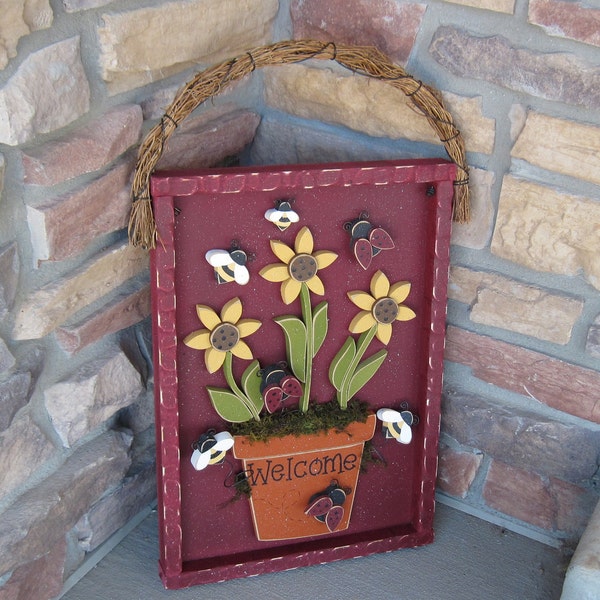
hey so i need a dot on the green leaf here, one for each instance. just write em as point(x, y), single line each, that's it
point(365, 370)
point(251, 385)
point(295, 344)
point(341, 363)
point(320, 325)
point(228, 405)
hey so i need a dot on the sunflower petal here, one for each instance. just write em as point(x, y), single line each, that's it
point(290, 290)
point(315, 285)
point(361, 322)
point(275, 272)
point(242, 350)
point(324, 258)
point(209, 318)
point(214, 359)
point(399, 291)
point(384, 332)
point(405, 313)
point(282, 251)
point(304, 241)
point(199, 340)
point(380, 285)
point(362, 299)
point(232, 311)
point(247, 327)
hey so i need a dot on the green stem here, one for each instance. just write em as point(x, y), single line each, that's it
point(361, 347)
point(228, 371)
point(308, 322)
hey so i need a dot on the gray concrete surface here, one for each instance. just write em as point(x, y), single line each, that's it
point(470, 559)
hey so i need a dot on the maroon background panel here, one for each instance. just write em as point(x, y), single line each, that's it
point(203, 537)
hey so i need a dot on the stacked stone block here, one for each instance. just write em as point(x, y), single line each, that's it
point(76, 405)
point(81, 81)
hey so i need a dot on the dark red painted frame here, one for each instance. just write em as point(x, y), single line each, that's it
point(405, 178)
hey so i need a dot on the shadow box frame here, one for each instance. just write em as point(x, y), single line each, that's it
point(203, 537)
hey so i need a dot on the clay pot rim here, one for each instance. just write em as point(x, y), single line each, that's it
point(355, 433)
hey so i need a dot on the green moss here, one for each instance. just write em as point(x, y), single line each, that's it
point(370, 456)
point(319, 417)
point(242, 489)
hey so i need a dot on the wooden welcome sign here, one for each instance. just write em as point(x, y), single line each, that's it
point(299, 316)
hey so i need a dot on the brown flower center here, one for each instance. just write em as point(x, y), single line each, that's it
point(224, 337)
point(385, 310)
point(302, 267)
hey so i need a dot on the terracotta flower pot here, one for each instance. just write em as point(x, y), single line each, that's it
point(286, 473)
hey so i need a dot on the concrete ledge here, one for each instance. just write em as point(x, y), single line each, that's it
point(582, 581)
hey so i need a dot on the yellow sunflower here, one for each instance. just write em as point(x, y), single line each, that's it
point(299, 265)
point(381, 307)
point(222, 334)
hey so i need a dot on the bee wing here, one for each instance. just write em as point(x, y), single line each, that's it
point(200, 460)
point(405, 434)
point(389, 415)
point(218, 258)
point(224, 441)
point(273, 215)
point(241, 274)
point(293, 216)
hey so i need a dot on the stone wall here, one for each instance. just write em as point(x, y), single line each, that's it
point(520, 427)
point(81, 81)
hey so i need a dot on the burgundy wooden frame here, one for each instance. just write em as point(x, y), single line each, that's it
point(409, 181)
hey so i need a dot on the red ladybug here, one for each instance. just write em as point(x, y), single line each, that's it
point(326, 506)
point(278, 385)
point(367, 241)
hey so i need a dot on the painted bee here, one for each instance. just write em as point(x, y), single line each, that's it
point(283, 215)
point(229, 265)
point(367, 241)
point(278, 385)
point(210, 449)
point(397, 425)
